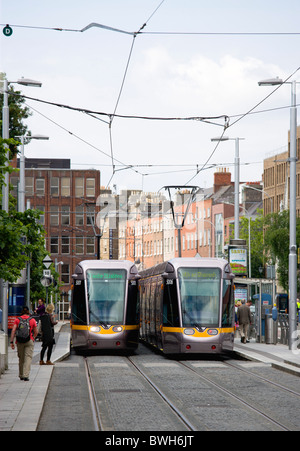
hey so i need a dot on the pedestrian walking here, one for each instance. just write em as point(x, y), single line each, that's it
point(25, 330)
point(244, 319)
point(47, 322)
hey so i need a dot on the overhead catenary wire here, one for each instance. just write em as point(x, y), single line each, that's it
point(92, 113)
point(160, 33)
point(203, 119)
point(122, 87)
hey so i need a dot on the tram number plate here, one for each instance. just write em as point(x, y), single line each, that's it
point(169, 281)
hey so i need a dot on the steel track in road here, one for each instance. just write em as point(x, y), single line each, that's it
point(93, 398)
point(172, 406)
point(237, 398)
point(281, 387)
point(176, 408)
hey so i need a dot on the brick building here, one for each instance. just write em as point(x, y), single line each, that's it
point(67, 199)
point(276, 180)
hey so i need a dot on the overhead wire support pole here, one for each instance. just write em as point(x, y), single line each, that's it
point(293, 243)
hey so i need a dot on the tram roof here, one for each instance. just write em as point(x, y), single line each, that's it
point(191, 262)
point(105, 264)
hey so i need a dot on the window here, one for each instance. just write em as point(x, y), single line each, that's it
point(79, 246)
point(65, 245)
point(79, 187)
point(29, 186)
point(54, 244)
point(65, 215)
point(90, 187)
point(106, 300)
point(42, 217)
point(54, 215)
point(79, 307)
point(65, 274)
point(91, 216)
point(200, 296)
point(54, 186)
point(228, 304)
point(15, 182)
point(170, 304)
point(79, 219)
point(65, 186)
point(90, 245)
point(40, 187)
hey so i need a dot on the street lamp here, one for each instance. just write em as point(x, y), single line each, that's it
point(293, 243)
point(5, 190)
point(21, 195)
point(236, 181)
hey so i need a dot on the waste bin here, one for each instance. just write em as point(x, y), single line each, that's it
point(269, 329)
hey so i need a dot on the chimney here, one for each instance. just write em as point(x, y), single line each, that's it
point(221, 178)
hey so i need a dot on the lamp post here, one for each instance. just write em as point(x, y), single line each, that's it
point(293, 244)
point(5, 190)
point(21, 196)
point(236, 182)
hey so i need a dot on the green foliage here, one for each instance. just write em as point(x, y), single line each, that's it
point(257, 241)
point(17, 113)
point(277, 243)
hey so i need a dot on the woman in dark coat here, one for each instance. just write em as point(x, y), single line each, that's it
point(48, 324)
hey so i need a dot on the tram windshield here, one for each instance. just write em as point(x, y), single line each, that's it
point(106, 295)
point(200, 296)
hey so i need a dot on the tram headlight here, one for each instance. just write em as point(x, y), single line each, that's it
point(95, 329)
point(212, 332)
point(117, 328)
point(189, 331)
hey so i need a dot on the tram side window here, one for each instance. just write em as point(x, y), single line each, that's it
point(78, 304)
point(133, 304)
point(170, 304)
point(228, 304)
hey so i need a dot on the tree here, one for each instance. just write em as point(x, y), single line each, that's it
point(21, 237)
point(17, 113)
point(257, 241)
point(277, 243)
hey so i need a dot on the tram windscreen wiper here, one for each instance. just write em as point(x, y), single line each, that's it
point(199, 327)
point(104, 325)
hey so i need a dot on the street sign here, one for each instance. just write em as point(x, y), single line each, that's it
point(47, 272)
point(7, 31)
point(46, 281)
point(47, 262)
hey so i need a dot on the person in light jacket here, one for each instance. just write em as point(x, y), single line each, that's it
point(244, 320)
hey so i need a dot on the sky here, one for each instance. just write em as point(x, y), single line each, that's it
point(181, 65)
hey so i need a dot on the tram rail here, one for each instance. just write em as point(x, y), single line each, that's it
point(93, 398)
point(240, 399)
point(177, 410)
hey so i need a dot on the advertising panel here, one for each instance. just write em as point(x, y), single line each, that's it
point(238, 261)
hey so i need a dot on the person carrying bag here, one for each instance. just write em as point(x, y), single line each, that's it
point(47, 330)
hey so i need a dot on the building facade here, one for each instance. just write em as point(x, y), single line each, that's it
point(67, 199)
point(276, 180)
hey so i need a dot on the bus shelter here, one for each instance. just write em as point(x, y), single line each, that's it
point(263, 292)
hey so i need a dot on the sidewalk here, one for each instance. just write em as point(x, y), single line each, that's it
point(279, 356)
point(21, 403)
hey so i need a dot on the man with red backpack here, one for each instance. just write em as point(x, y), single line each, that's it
point(25, 330)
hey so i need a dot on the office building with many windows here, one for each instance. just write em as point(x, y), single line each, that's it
point(67, 199)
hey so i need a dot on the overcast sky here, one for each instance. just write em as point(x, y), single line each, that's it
point(169, 75)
